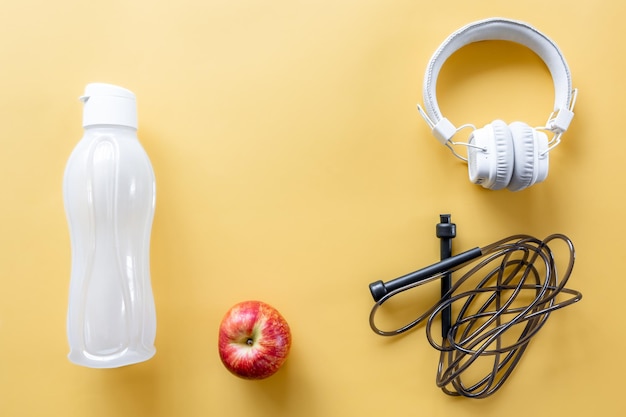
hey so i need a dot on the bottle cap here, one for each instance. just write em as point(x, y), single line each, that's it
point(108, 104)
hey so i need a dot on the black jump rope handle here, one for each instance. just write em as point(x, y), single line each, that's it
point(446, 231)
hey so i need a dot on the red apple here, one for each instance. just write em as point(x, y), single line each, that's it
point(254, 340)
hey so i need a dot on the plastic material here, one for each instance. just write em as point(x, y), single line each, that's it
point(109, 193)
point(107, 104)
point(380, 289)
point(444, 130)
point(446, 231)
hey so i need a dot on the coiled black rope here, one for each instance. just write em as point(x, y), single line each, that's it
point(499, 304)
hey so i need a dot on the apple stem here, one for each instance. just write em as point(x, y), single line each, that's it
point(249, 342)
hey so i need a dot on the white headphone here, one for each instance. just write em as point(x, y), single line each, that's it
point(514, 156)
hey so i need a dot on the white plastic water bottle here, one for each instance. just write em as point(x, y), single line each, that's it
point(109, 192)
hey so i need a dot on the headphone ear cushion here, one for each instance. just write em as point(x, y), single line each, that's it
point(525, 156)
point(530, 165)
point(543, 162)
point(490, 156)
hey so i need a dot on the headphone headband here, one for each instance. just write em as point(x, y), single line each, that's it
point(507, 30)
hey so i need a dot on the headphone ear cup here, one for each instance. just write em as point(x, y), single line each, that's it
point(531, 160)
point(490, 156)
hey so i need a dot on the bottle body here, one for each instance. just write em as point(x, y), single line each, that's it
point(109, 196)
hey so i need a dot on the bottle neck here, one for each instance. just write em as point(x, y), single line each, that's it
point(117, 130)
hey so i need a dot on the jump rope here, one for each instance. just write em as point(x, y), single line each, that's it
point(517, 287)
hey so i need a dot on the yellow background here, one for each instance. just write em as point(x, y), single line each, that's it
point(293, 167)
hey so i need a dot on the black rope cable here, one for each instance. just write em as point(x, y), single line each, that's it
point(519, 288)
